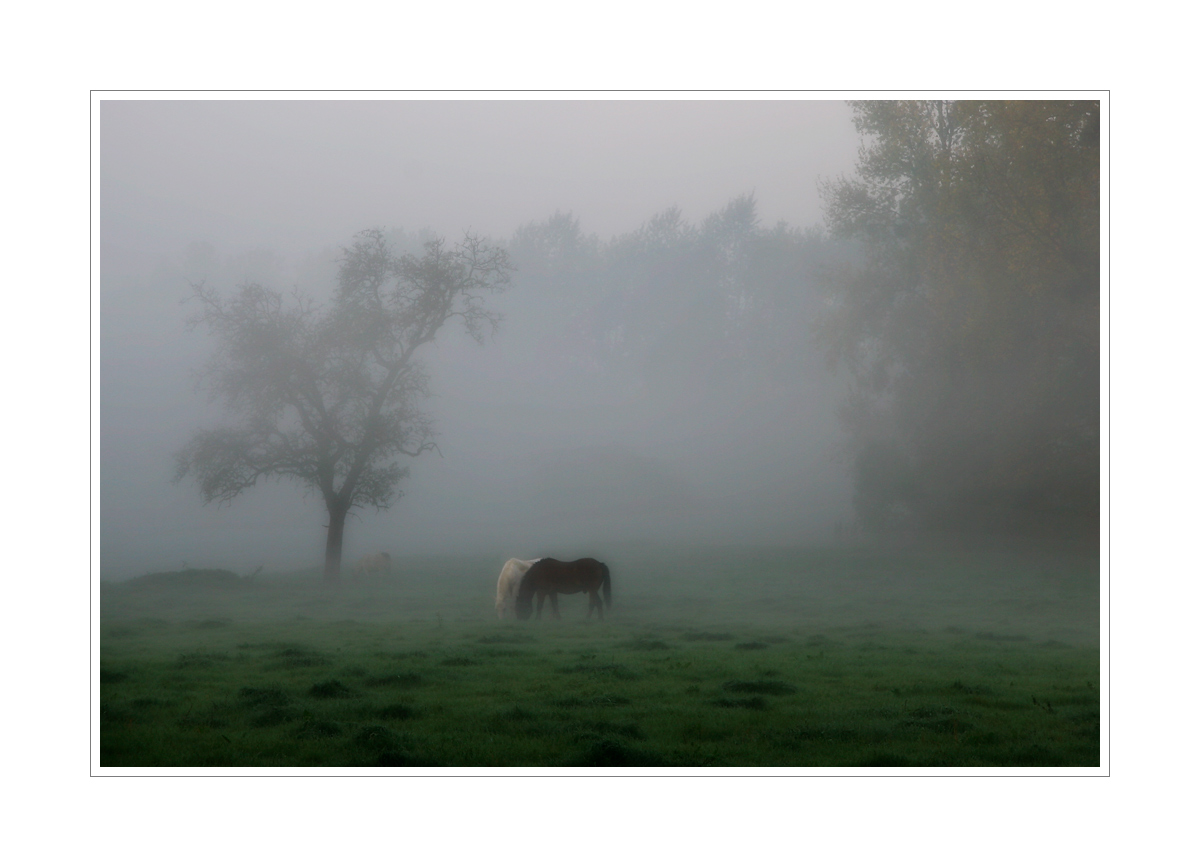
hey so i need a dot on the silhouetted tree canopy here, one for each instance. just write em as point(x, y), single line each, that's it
point(330, 396)
point(971, 327)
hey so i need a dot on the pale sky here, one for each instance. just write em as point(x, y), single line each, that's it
point(310, 173)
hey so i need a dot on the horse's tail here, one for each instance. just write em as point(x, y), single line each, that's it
point(606, 582)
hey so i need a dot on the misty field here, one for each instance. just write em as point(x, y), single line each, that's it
point(813, 657)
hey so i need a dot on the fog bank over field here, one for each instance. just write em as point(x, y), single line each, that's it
point(655, 375)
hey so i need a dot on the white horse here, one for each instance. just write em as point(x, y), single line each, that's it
point(381, 562)
point(510, 580)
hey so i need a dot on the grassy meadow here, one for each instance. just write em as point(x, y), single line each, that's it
point(817, 657)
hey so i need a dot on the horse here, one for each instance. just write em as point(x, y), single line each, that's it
point(381, 562)
point(549, 577)
point(506, 586)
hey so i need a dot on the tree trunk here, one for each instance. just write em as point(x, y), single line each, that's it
point(333, 544)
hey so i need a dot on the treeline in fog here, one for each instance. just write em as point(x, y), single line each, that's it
point(694, 340)
point(970, 328)
point(926, 363)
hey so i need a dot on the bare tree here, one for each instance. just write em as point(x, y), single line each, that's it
point(330, 396)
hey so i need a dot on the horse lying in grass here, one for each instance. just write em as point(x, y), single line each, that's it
point(506, 586)
point(549, 577)
point(381, 562)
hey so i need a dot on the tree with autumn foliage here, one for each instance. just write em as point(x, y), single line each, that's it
point(330, 396)
point(970, 326)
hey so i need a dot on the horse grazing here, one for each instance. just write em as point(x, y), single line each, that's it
point(381, 562)
point(506, 586)
point(549, 577)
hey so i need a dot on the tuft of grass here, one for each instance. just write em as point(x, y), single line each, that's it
point(189, 579)
point(286, 654)
point(943, 720)
point(397, 711)
point(199, 659)
point(589, 730)
point(318, 729)
point(759, 687)
point(516, 713)
point(262, 696)
point(613, 670)
point(211, 623)
point(216, 716)
point(885, 760)
point(756, 702)
point(513, 638)
point(376, 737)
point(613, 753)
point(274, 716)
point(648, 644)
point(959, 686)
point(330, 689)
point(993, 636)
point(405, 679)
point(403, 759)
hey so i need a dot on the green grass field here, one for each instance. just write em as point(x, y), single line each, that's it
point(751, 658)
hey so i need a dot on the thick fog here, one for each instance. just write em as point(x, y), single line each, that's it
point(540, 449)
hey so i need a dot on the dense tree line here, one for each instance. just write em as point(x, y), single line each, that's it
point(723, 304)
point(970, 326)
point(956, 297)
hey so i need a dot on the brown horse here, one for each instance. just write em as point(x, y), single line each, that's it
point(549, 577)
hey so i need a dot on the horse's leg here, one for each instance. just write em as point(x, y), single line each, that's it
point(599, 605)
point(554, 605)
point(541, 600)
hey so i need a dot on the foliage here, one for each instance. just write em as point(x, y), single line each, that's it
point(330, 396)
point(711, 307)
point(970, 327)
